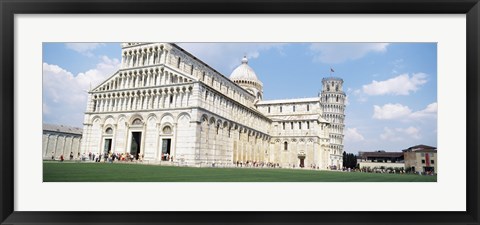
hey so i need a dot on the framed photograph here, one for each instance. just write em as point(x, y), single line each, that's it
point(243, 112)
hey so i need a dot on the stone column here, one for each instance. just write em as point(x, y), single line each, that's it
point(114, 138)
point(127, 131)
point(137, 78)
point(55, 145)
point(134, 104)
point(144, 136)
point(140, 57)
point(174, 143)
point(45, 150)
point(100, 104)
point(155, 100)
point(71, 147)
point(104, 104)
point(99, 146)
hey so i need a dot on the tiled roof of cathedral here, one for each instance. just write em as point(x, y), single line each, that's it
point(62, 129)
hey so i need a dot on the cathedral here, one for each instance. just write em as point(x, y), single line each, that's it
point(164, 101)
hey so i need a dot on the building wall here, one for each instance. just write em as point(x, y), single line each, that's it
point(380, 164)
point(56, 144)
point(414, 159)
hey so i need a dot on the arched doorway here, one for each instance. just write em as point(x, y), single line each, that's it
point(301, 157)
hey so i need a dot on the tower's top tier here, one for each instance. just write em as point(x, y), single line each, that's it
point(332, 84)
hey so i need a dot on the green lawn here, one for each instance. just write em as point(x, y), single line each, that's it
point(119, 172)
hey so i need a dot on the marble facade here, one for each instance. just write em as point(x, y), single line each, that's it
point(165, 100)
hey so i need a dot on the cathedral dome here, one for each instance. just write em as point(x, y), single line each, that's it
point(244, 73)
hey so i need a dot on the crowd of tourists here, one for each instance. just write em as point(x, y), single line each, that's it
point(255, 164)
point(111, 157)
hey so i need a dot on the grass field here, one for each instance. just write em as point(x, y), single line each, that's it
point(119, 172)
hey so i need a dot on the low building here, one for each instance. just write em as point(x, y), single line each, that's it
point(61, 140)
point(380, 159)
point(421, 158)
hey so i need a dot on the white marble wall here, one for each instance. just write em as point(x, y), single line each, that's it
point(57, 144)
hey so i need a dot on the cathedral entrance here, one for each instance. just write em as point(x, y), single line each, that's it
point(302, 162)
point(166, 145)
point(136, 144)
point(301, 157)
point(108, 145)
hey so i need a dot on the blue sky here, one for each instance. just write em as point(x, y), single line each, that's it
point(391, 87)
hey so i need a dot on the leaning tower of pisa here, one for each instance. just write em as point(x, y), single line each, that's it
point(333, 104)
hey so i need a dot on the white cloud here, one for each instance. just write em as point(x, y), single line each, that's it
point(428, 112)
point(353, 135)
point(411, 131)
point(397, 65)
point(390, 111)
point(224, 57)
point(399, 85)
point(64, 95)
point(84, 48)
point(399, 111)
point(359, 95)
point(399, 134)
point(341, 52)
point(390, 135)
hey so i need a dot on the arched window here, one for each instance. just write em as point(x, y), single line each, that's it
point(284, 125)
point(280, 109)
point(285, 146)
point(294, 108)
point(300, 125)
point(167, 130)
point(178, 62)
point(308, 124)
point(308, 107)
point(337, 98)
point(137, 122)
point(109, 130)
point(269, 109)
point(171, 99)
point(291, 125)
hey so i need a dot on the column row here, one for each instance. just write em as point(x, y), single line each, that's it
point(142, 102)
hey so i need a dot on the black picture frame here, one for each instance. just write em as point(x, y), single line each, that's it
point(8, 9)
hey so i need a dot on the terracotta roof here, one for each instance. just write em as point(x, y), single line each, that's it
point(420, 148)
point(380, 154)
